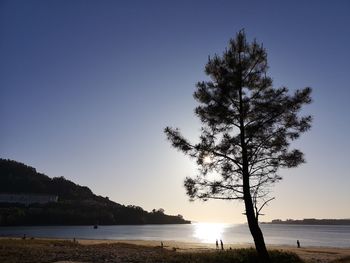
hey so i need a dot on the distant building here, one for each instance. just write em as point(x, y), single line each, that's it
point(27, 199)
point(276, 221)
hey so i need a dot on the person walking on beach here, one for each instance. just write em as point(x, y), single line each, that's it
point(222, 244)
point(298, 244)
point(217, 244)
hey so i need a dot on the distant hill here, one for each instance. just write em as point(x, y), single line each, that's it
point(76, 205)
point(311, 221)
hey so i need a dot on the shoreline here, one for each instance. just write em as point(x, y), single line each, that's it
point(309, 254)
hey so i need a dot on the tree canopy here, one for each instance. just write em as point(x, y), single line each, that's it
point(246, 132)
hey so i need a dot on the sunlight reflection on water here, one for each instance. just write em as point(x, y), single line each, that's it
point(208, 232)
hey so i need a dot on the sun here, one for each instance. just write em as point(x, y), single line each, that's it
point(207, 159)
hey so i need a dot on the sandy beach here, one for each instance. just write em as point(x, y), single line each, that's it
point(142, 248)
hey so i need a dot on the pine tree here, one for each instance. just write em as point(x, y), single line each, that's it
point(247, 128)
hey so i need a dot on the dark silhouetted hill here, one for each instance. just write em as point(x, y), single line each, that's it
point(76, 205)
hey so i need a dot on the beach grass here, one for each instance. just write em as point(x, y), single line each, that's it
point(342, 260)
point(243, 255)
point(16, 250)
point(30, 251)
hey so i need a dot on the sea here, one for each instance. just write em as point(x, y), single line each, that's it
point(308, 235)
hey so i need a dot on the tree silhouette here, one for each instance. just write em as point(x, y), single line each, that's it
point(247, 127)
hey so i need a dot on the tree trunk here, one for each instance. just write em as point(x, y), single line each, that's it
point(249, 207)
point(250, 213)
point(255, 229)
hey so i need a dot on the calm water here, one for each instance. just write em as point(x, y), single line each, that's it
point(332, 236)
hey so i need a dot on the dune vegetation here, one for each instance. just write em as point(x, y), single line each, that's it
point(30, 251)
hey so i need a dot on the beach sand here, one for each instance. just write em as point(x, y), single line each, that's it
point(309, 254)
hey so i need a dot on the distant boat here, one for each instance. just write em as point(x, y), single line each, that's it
point(95, 226)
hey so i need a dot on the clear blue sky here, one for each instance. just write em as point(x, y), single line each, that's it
point(87, 88)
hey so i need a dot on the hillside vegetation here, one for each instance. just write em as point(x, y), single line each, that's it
point(77, 205)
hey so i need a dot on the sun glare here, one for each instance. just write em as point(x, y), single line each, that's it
point(207, 159)
point(208, 232)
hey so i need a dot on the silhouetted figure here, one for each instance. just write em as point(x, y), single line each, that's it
point(161, 244)
point(24, 236)
point(298, 244)
point(222, 244)
point(217, 244)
